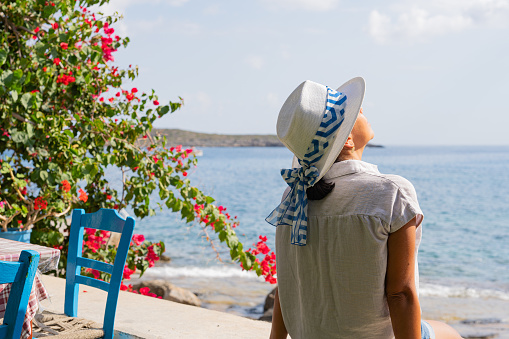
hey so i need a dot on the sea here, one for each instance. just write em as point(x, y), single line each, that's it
point(463, 192)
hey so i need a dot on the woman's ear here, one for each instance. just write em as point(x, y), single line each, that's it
point(349, 145)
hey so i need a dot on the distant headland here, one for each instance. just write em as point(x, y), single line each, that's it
point(188, 138)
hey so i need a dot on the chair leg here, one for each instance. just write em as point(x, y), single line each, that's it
point(71, 299)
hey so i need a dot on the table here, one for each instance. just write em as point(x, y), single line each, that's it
point(10, 251)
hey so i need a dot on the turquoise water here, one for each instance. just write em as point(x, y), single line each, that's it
point(463, 192)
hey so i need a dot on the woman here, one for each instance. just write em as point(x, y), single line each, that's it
point(347, 235)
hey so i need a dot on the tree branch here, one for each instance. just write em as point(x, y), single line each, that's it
point(20, 118)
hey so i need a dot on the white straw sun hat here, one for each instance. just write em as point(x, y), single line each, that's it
point(302, 113)
point(314, 123)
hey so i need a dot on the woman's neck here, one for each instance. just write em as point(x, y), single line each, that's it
point(351, 155)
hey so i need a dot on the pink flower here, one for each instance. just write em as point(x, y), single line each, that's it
point(138, 239)
point(127, 273)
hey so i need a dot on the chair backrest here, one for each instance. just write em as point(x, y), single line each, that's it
point(21, 274)
point(106, 220)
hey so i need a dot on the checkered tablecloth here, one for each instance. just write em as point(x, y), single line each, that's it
point(10, 251)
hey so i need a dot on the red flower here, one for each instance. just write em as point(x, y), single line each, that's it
point(44, 69)
point(54, 25)
point(56, 61)
point(66, 185)
point(83, 195)
point(63, 45)
point(118, 94)
point(40, 204)
point(66, 79)
point(36, 30)
point(108, 197)
point(134, 90)
point(156, 102)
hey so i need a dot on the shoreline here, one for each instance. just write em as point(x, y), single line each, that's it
point(473, 317)
point(196, 139)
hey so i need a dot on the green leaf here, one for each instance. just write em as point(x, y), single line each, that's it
point(25, 100)
point(14, 96)
point(3, 56)
point(28, 76)
point(7, 78)
point(69, 133)
point(43, 175)
point(24, 210)
point(30, 131)
point(17, 74)
point(20, 137)
point(163, 110)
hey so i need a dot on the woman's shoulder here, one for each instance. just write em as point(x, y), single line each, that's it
point(402, 184)
point(398, 181)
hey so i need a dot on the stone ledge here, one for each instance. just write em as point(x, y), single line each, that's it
point(148, 317)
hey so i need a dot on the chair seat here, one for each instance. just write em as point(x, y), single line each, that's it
point(61, 326)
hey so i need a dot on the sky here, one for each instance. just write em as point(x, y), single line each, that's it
point(436, 71)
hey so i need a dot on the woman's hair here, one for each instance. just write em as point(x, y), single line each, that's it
point(319, 190)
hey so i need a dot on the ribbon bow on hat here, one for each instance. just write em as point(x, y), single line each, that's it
point(293, 209)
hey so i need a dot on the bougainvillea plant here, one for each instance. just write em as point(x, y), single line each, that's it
point(67, 115)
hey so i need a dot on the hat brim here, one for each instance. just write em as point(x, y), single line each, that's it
point(354, 90)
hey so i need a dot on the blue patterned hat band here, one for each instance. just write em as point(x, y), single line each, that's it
point(293, 209)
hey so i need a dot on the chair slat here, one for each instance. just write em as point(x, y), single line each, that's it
point(3, 331)
point(104, 219)
point(103, 285)
point(10, 272)
point(94, 264)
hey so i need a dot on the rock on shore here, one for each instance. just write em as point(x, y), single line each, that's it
point(268, 307)
point(168, 291)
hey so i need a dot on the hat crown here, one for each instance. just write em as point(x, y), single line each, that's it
point(301, 116)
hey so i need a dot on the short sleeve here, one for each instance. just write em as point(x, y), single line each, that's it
point(405, 206)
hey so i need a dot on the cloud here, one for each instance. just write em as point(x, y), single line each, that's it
point(310, 5)
point(255, 61)
point(423, 20)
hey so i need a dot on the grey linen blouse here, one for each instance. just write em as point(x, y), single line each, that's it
point(334, 287)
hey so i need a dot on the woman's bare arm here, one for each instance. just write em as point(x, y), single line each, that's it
point(400, 283)
point(278, 330)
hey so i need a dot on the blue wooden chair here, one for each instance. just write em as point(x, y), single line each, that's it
point(21, 274)
point(107, 220)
